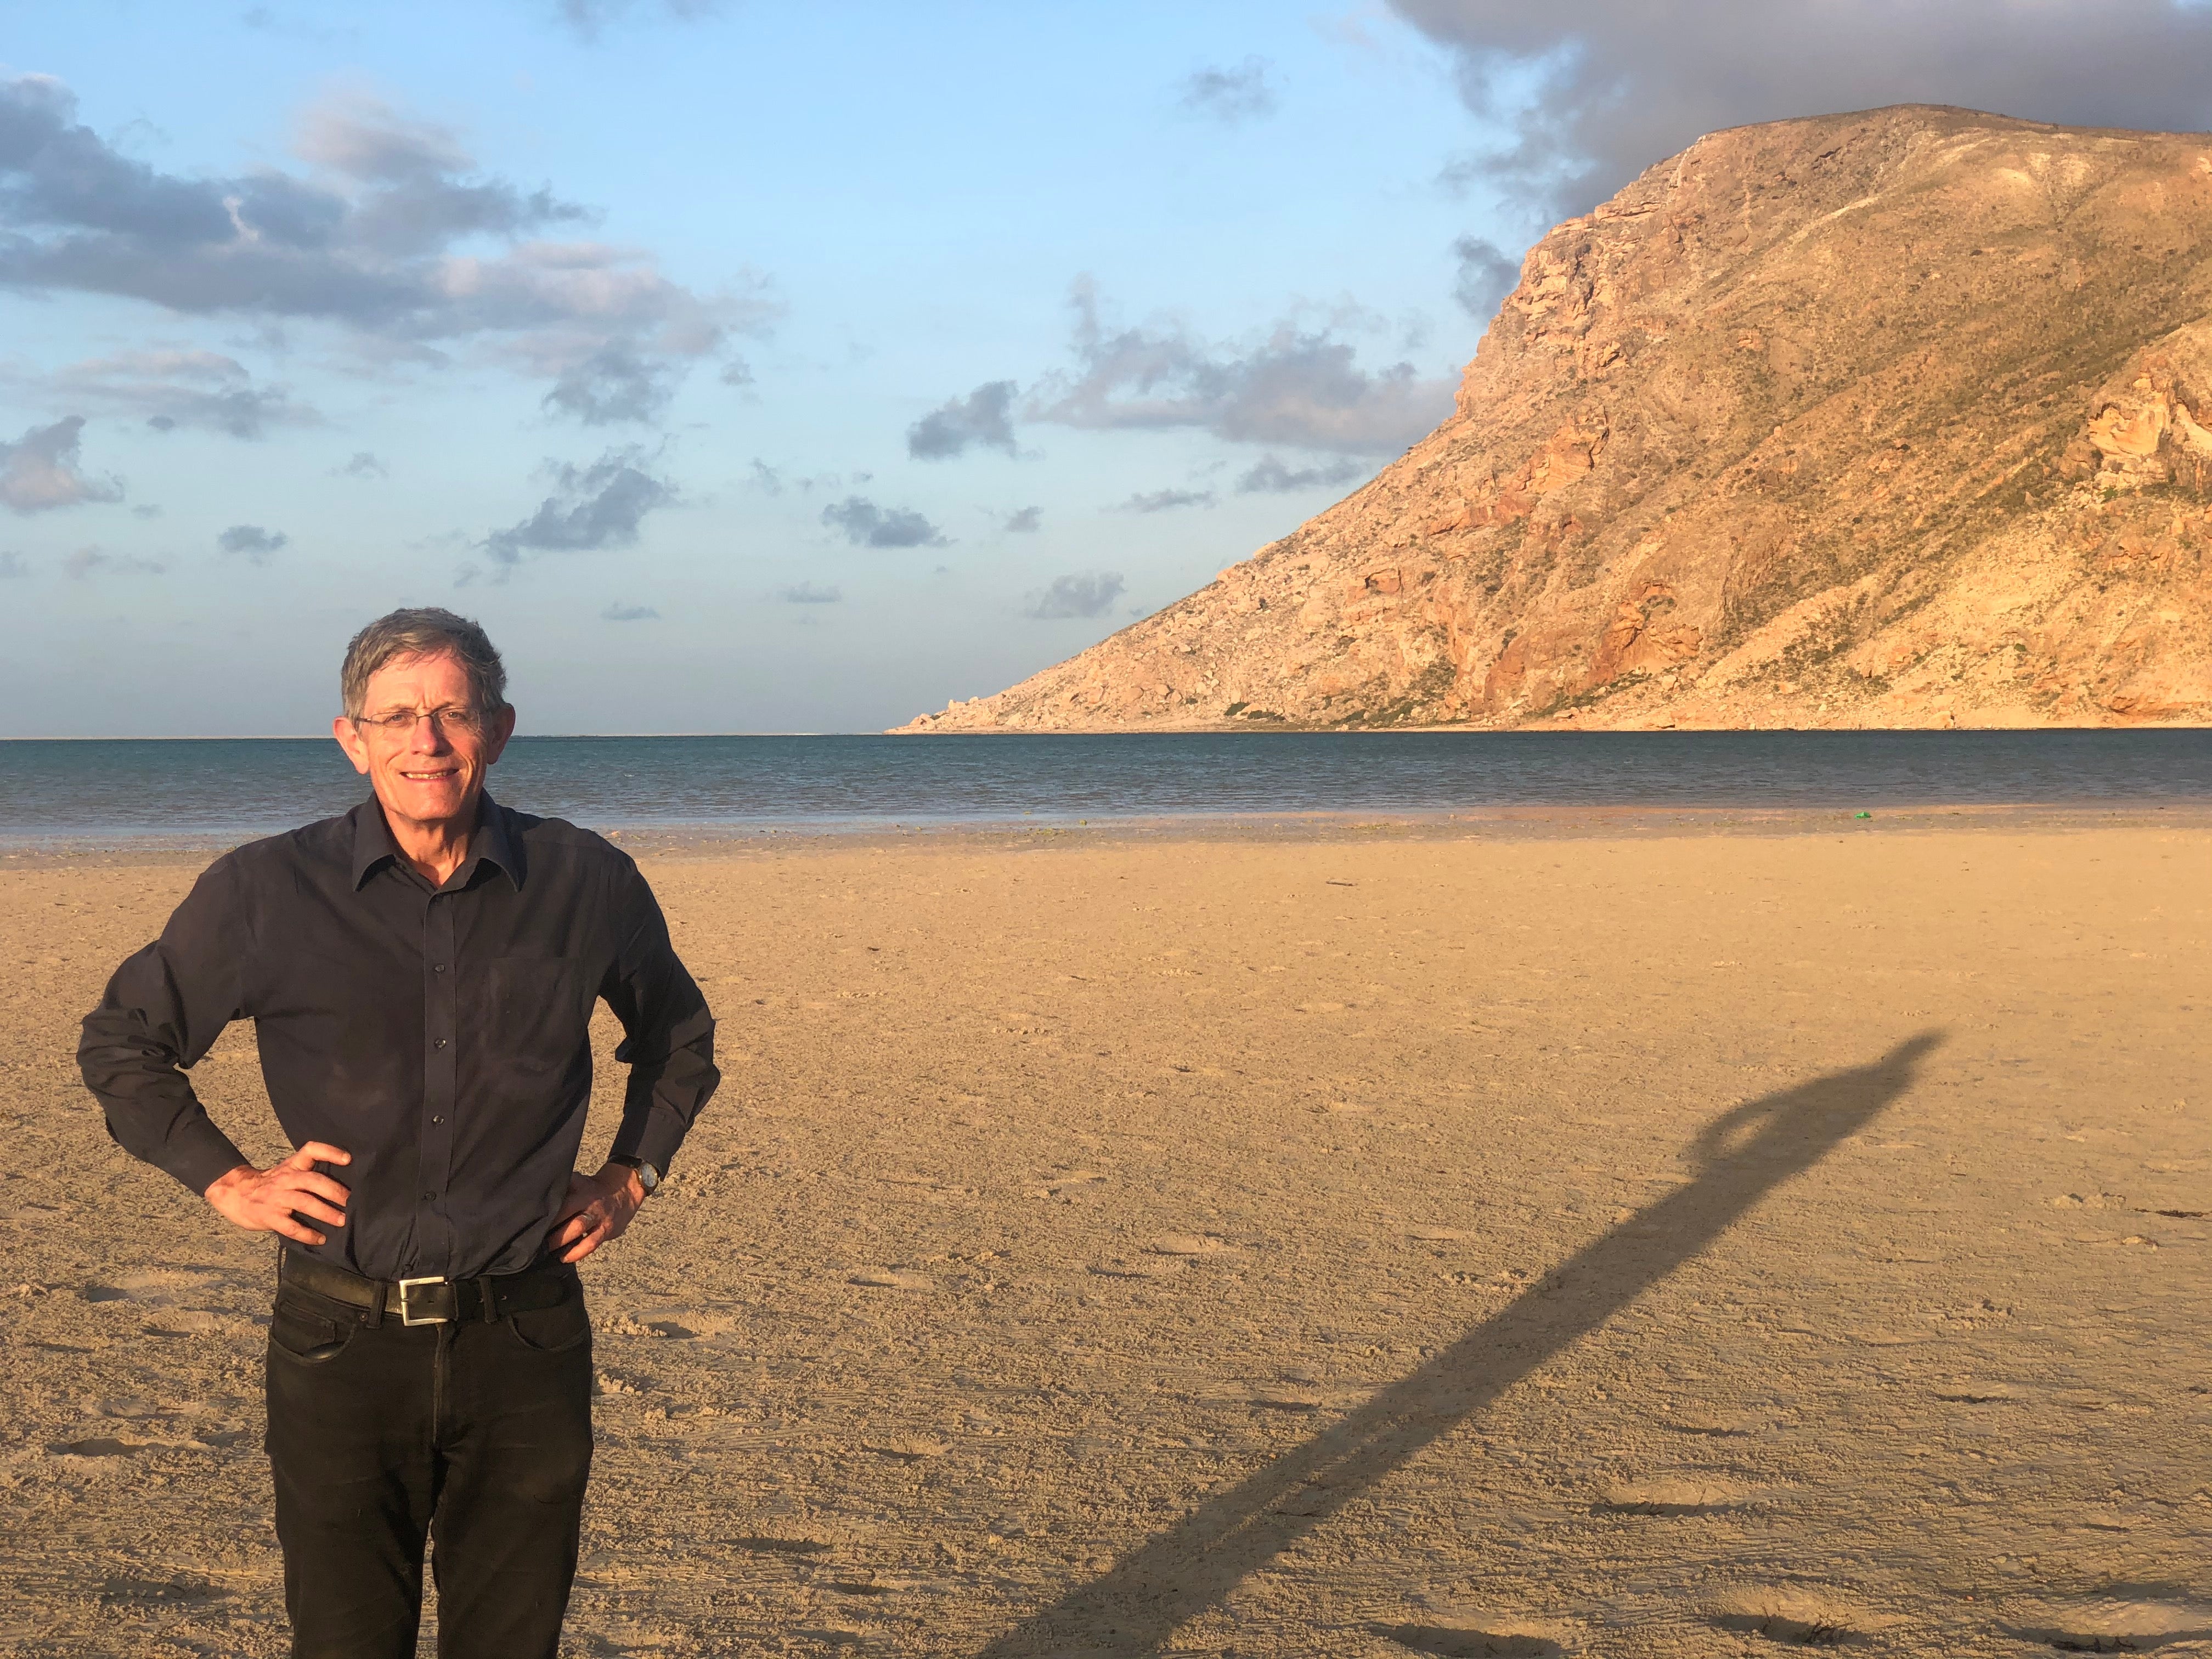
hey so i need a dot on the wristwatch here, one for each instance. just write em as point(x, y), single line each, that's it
point(647, 1177)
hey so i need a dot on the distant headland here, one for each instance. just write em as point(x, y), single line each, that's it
point(1901, 418)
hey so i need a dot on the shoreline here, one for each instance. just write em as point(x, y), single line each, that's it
point(1544, 822)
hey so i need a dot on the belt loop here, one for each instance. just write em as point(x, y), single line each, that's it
point(375, 1320)
point(485, 1294)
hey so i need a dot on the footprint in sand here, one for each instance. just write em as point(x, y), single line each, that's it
point(1068, 1185)
point(2116, 1624)
point(1970, 1393)
point(162, 1592)
point(1672, 1497)
point(1462, 1641)
point(1140, 1266)
point(1187, 1245)
point(99, 1446)
point(660, 1322)
point(188, 1321)
point(1791, 1619)
point(161, 1287)
point(763, 1545)
point(139, 1408)
point(926, 1189)
point(867, 1586)
point(1440, 1235)
point(1288, 1397)
point(1708, 1423)
point(169, 1288)
point(893, 1278)
point(909, 1449)
point(1123, 1266)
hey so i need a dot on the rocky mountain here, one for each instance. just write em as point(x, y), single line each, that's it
point(1900, 419)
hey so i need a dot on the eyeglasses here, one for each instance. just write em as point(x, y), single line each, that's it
point(402, 722)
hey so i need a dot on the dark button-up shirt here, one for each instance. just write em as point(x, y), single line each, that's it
point(440, 1035)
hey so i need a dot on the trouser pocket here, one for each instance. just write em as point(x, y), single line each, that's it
point(301, 1331)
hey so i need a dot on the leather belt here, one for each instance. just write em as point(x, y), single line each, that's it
point(432, 1301)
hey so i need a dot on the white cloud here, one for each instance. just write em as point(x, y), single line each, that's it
point(251, 543)
point(392, 235)
point(982, 419)
point(1298, 386)
point(592, 507)
point(1231, 94)
point(1085, 593)
point(168, 388)
point(39, 472)
point(92, 561)
point(866, 525)
point(1595, 91)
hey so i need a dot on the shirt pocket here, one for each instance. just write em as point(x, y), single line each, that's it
point(537, 1010)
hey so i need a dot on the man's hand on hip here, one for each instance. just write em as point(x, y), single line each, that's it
point(286, 1199)
point(596, 1212)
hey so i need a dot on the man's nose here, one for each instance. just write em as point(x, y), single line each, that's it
point(430, 738)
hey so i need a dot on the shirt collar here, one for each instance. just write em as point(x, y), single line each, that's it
point(490, 843)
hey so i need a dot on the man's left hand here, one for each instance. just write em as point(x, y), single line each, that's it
point(596, 1212)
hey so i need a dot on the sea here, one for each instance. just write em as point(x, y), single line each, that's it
point(216, 790)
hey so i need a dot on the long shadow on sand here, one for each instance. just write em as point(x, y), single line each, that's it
point(1742, 1155)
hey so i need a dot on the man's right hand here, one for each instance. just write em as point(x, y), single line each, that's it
point(264, 1200)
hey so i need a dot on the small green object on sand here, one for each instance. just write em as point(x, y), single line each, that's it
point(1861, 815)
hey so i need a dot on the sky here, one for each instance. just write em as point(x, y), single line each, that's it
point(785, 366)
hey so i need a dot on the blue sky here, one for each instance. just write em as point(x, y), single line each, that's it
point(840, 219)
point(749, 365)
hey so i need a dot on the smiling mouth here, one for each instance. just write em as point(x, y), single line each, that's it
point(439, 776)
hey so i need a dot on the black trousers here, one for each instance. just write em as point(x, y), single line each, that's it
point(474, 1436)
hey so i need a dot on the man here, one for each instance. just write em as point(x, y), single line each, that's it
point(421, 975)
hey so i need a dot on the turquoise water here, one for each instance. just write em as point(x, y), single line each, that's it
point(128, 789)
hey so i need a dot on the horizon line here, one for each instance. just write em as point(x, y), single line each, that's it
point(325, 736)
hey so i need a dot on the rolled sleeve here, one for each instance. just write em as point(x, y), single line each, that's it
point(668, 1031)
point(161, 1013)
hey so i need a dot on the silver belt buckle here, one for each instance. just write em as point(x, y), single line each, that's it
point(406, 1303)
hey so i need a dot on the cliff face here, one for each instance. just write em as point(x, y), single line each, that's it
point(1901, 418)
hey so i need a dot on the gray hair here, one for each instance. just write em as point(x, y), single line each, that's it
point(423, 631)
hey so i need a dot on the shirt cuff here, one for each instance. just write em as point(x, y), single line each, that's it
point(198, 1154)
point(655, 1140)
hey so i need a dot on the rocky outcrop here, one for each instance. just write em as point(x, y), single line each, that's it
point(1901, 418)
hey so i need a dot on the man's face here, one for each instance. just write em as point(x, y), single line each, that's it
point(429, 770)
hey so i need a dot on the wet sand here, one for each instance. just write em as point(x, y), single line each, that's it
point(1628, 1239)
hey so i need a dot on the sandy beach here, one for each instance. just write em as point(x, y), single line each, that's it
point(1482, 1241)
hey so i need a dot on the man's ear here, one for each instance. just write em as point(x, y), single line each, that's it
point(349, 739)
point(495, 735)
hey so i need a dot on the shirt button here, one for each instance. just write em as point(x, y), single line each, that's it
point(440, 1043)
point(437, 967)
point(437, 1119)
point(426, 1197)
